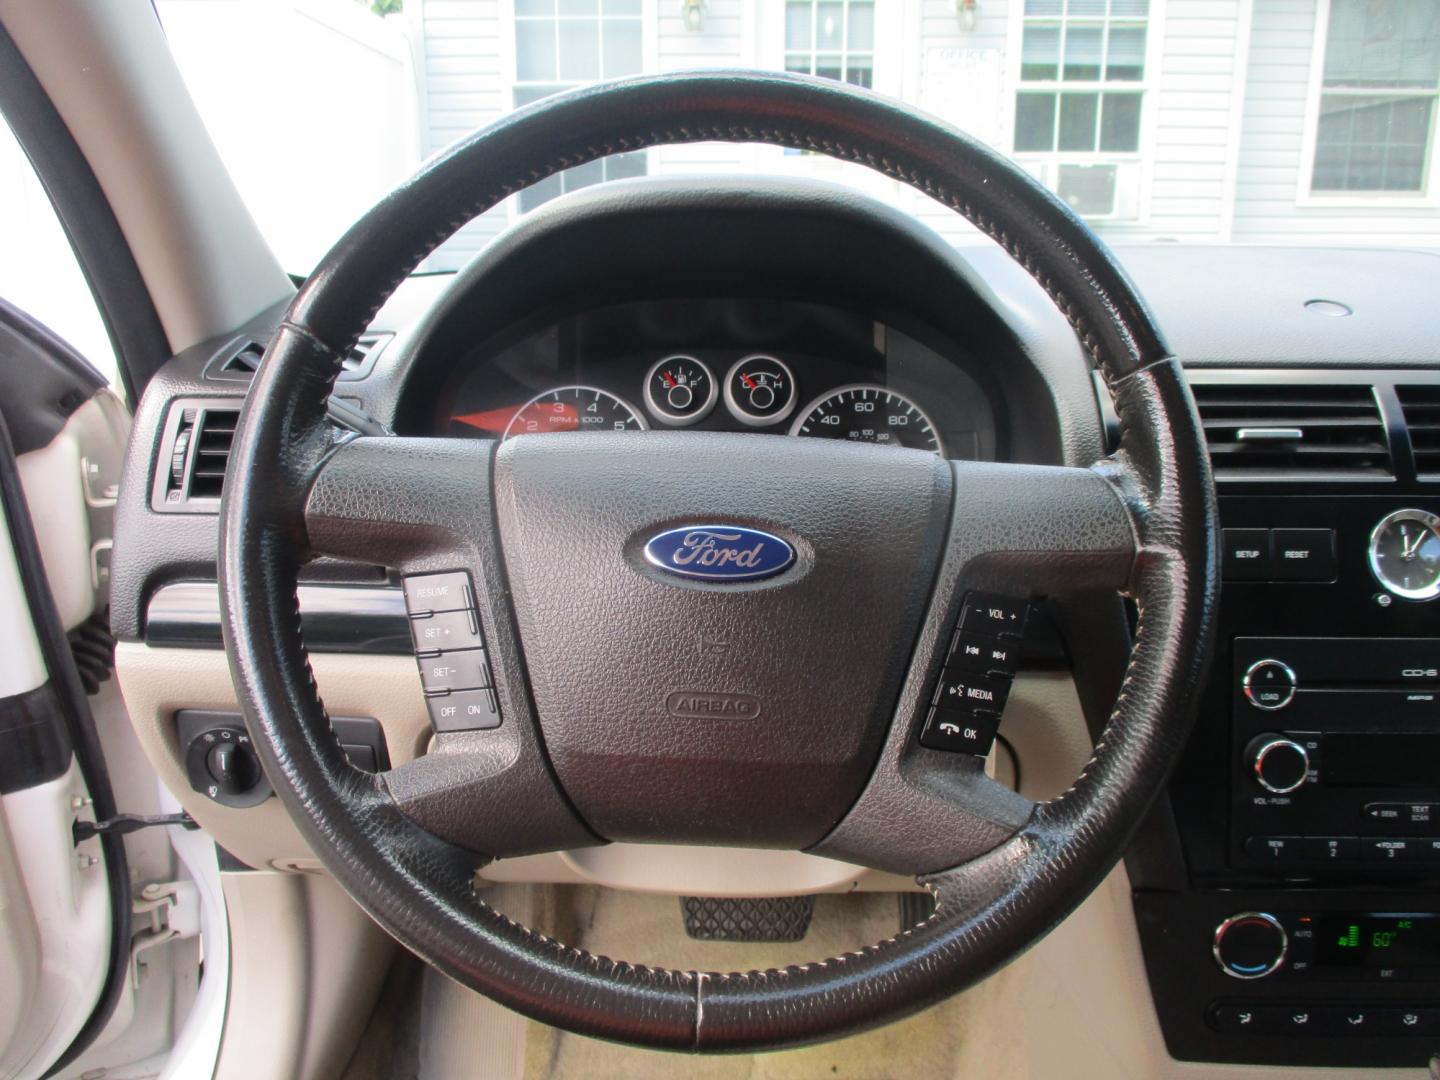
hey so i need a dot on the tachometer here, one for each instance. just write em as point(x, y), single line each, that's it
point(873, 414)
point(574, 408)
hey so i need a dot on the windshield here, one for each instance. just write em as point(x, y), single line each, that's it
point(1202, 121)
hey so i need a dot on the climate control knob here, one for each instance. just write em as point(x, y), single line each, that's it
point(1250, 945)
point(1280, 764)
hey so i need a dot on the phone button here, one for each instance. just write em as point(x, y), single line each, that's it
point(965, 731)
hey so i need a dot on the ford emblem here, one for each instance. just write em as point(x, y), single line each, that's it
point(719, 553)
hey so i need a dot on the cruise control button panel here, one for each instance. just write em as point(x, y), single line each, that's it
point(983, 657)
point(455, 670)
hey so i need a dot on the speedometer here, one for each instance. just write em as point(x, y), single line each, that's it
point(872, 414)
point(574, 408)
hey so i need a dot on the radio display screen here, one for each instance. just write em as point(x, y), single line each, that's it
point(1378, 940)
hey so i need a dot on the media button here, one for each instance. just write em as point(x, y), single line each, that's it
point(961, 689)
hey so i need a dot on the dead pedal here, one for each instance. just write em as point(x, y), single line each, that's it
point(771, 918)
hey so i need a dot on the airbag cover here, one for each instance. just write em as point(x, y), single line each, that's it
point(738, 711)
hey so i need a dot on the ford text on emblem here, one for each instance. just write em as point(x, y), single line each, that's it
point(719, 552)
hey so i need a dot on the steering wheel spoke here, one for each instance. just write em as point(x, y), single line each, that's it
point(412, 504)
point(1022, 532)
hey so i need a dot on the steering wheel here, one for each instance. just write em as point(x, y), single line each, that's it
point(834, 655)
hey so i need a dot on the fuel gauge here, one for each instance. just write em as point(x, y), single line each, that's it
point(760, 391)
point(680, 391)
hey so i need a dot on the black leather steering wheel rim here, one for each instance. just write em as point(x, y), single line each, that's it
point(418, 886)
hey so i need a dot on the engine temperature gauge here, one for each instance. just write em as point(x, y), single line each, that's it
point(680, 390)
point(1405, 554)
point(760, 390)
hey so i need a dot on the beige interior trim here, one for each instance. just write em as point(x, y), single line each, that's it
point(19, 943)
point(306, 965)
point(157, 683)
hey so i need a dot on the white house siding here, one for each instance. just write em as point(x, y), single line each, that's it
point(1209, 63)
point(1190, 157)
point(464, 86)
point(1268, 185)
point(964, 78)
point(726, 41)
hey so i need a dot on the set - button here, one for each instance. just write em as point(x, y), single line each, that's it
point(455, 669)
point(983, 656)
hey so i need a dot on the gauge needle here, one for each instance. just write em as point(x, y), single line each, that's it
point(749, 382)
point(1410, 547)
point(668, 380)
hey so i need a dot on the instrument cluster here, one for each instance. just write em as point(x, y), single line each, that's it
point(761, 366)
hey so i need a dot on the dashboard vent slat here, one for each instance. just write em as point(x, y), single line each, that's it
point(241, 359)
point(1275, 431)
point(190, 475)
point(1421, 406)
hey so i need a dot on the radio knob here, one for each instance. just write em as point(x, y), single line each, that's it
point(1269, 684)
point(1280, 765)
point(1250, 945)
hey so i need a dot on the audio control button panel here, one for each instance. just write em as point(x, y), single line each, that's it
point(1335, 751)
point(984, 656)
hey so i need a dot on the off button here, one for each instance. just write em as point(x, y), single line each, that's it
point(1269, 684)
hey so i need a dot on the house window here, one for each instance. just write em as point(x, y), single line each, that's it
point(565, 43)
point(1378, 90)
point(831, 38)
point(1081, 97)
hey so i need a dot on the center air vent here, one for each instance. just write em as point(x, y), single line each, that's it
point(1293, 431)
point(190, 475)
point(241, 358)
point(1421, 405)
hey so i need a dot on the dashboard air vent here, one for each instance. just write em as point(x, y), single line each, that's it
point(1421, 406)
point(1288, 431)
point(241, 359)
point(191, 473)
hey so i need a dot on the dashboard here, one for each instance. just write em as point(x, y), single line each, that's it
point(1277, 916)
point(770, 367)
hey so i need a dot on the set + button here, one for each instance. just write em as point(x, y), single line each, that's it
point(450, 649)
point(983, 657)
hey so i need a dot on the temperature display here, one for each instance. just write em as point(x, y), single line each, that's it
point(1378, 941)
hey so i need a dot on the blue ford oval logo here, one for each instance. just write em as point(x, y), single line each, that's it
point(719, 552)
